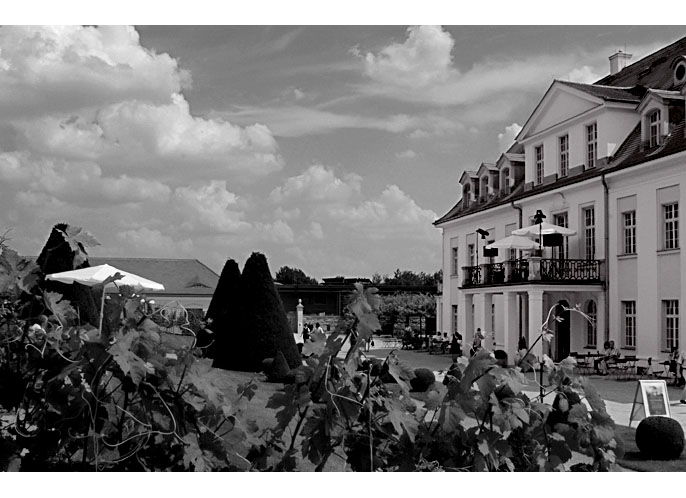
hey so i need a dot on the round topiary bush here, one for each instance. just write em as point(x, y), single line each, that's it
point(660, 438)
point(423, 380)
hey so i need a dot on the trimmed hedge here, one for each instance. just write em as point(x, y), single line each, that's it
point(224, 312)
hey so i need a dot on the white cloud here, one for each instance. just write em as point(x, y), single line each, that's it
point(209, 206)
point(507, 138)
point(64, 68)
point(154, 243)
point(424, 58)
point(320, 184)
point(76, 182)
point(584, 74)
point(406, 154)
point(316, 231)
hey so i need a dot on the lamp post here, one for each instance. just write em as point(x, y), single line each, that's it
point(538, 220)
point(483, 234)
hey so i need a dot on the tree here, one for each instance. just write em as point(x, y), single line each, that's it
point(403, 305)
point(288, 275)
point(264, 328)
point(222, 316)
point(410, 278)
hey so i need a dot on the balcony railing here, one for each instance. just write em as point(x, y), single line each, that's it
point(533, 269)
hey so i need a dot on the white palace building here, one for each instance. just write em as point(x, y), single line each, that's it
point(608, 161)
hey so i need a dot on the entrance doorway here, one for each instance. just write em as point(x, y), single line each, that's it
point(562, 335)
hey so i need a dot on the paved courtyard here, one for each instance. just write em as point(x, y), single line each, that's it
point(618, 394)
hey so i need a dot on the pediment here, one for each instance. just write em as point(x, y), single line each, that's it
point(466, 176)
point(559, 104)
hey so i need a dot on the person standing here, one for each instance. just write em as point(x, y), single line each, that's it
point(476, 345)
point(455, 349)
point(306, 332)
point(318, 329)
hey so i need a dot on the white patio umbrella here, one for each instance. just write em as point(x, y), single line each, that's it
point(97, 275)
point(544, 228)
point(513, 242)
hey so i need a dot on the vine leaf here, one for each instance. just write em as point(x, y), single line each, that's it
point(401, 418)
point(61, 308)
point(129, 362)
point(16, 270)
point(400, 372)
point(193, 456)
point(316, 345)
point(78, 239)
point(207, 380)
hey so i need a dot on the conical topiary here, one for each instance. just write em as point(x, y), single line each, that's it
point(264, 328)
point(223, 316)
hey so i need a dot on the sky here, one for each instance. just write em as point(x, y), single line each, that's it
point(332, 149)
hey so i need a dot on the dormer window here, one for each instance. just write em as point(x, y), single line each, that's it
point(466, 191)
point(484, 188)
point(654, 128)
point(539, 164)
point(505, 181)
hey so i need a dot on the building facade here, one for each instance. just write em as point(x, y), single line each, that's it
point(607, 160)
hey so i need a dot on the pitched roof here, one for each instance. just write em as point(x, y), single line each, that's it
point(619, 94)
point(653, 71)
point(179, 276)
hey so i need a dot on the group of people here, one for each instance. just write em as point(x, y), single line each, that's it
point(304, 336)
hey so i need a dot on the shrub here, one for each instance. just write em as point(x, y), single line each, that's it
point(222, 315)
point(423, 380)
point(264, 328)
point(660, 438)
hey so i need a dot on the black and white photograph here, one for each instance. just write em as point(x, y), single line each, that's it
point(299, 246)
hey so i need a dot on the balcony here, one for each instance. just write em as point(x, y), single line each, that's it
point(533, 270)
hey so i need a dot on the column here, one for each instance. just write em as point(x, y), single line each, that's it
point(510, 324)
point(485, 318)
point(465, 318)
point(600, 322)
point(299, 311)
point(536, 319)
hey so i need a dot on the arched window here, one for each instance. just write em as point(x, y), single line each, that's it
point(591, 330)
point(654, 128)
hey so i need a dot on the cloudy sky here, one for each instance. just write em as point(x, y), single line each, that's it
point(331, 149)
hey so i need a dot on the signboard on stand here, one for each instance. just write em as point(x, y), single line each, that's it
point(651, 399)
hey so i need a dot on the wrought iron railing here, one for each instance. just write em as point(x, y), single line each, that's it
point(495, 273)
point(472, 276)
point(570, 269)
point(520, 270)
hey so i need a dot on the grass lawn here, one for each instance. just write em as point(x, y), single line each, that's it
point(632, 457)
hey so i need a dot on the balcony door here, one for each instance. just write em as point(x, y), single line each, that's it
point(561, 252)
point(562, 332)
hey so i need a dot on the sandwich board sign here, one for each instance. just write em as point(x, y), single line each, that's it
point(651, 399)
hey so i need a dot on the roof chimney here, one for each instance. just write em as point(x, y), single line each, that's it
point(618, 62)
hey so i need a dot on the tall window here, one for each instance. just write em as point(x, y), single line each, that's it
point(629, 232)
point(454, 261)
point(629, 322)
point(654, 128)
point(562, 220)
point(564, 155)
point(471, 253)
point(589, 232)
point(670, 216)
point(591, 145)
point(454, 318)
point(591, 331)
point(539, 165)
point(670, 324)
point(505, 181)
